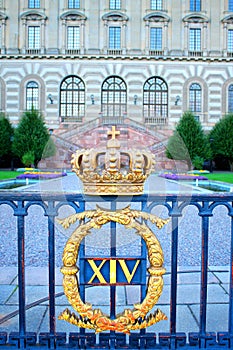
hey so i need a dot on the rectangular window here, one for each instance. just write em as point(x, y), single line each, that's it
point(33, 4)
point(195, 39)
point(33, 37)
point(114, 38)
point(156, 39)
point(230, 40)
point(230, 5)
point(1, 3)
point(156, 4)
point(73, 4)
point(115, 4)
point(73, 38)
point(195, 5)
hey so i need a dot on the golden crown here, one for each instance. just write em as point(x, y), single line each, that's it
point(112, 171)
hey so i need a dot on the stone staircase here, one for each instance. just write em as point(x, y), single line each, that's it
point(70, 137)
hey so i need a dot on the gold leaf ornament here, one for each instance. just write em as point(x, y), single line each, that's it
point(94, 318)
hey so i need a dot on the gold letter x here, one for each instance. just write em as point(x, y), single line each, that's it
point(97, 272)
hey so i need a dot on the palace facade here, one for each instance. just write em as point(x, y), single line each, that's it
point(146, 60)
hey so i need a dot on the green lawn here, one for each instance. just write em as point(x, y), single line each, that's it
point(4, 175)
point(224, 177)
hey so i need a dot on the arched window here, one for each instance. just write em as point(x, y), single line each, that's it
point(114, 97)
point(195, 98)
point(155, 101)
point(72, 99)
point(230, 98)
point(32, 95)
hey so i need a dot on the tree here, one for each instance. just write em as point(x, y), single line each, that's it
point(31, 137)
point(221, 137)
point(6, 134)
point(188, 141)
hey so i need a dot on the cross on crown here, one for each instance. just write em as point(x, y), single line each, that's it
point(113, 132)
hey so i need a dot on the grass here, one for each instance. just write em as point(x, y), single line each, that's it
point(7, 174)
point(224, 177)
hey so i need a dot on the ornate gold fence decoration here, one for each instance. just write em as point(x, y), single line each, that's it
point(129, 319)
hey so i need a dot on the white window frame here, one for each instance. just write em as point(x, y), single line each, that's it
point(156, 5)
point(115, 19)
point(73, 18)
point(34, 19)
point(33, 100)
point(34, 4)
point(74, 7)
point(73, 46)
point(115, 4)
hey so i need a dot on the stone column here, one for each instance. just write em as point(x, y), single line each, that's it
point(204, 46)
point(63, 47)
point(147, 38)
point(165, 39)
point(124, 37)
point(82, 37)
point(43, 36)
point(25, 37)
point(105, 36)
point(186, 29)
point(3, 38)
point(225, 29)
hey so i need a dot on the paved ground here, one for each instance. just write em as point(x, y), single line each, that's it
point(187, 306)
point(189, 265)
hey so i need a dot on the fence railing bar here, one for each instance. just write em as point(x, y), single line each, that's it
point(173, 295)
point(204, 278)
point(112, 288)
point(81, 276)
point(230, 319)
point(143, 286)
point(51, 249)
point(21, 272)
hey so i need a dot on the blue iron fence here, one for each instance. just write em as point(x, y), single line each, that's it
point(175, 206)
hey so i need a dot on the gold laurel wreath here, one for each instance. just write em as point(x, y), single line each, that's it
point(94, 318)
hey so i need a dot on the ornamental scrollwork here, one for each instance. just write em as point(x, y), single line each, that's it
point(128, 320)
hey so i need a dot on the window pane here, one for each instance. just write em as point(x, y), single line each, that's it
point(230, 40)
point(72, 97)
point(195, 5)
point(73, 4)
point(230, 5)
point(32, 96)
point(156, 4)
point(73, 37)
point(115, 4)
point(114, 37)
point(195, 39)
point(33, 37)
point(32, 4)
point(156, 38)
point(155, 98)
point(113, 98)
point(195, 98)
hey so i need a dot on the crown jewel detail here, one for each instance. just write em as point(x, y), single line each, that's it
point(112, 170)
